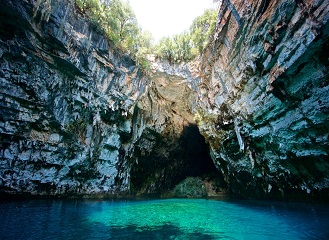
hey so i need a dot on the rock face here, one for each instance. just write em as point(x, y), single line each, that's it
point(67, 103)
point(190, 187)
point(264, 98)
point(78, 117)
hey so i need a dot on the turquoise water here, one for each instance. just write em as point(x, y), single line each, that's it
point(162, 219)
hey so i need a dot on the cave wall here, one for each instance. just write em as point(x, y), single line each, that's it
point(170, 147)
point(78, 117)
point(67, 103)
point(263, 102)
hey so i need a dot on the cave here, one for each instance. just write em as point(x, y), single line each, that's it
point(186, 156)
point(197, 152)
point(83, 117)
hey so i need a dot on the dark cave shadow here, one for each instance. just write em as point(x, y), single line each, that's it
point(197, 152)
point(185, 156)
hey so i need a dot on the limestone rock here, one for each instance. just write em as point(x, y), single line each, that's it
point(264, 110)
point(66, 102)
point(77, 117)
point(190, 188)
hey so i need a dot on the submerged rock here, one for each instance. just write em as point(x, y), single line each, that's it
point(209, 185)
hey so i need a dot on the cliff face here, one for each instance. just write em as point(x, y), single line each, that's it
point(264, 100)
point(78, 117)
point(67, 103)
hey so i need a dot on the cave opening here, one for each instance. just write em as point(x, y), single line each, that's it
point(174, 160)
point(196, 151)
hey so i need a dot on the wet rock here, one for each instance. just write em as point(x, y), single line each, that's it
point(77, 117)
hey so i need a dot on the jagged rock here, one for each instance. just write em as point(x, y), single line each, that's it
point(78, 117)
point(265, 111)
point(67, 100)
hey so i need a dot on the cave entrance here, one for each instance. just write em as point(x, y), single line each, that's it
point(196, 151)
point(172, 161)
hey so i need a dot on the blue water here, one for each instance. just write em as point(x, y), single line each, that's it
point(162, 219)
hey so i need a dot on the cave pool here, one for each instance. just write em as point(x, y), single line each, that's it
point(162, 219)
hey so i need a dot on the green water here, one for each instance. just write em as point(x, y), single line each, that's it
point(162, 219)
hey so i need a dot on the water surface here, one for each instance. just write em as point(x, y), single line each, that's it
point(162, 219)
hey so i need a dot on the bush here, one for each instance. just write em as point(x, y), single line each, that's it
point(202, 29)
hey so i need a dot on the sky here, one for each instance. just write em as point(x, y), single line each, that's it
point(168, 17)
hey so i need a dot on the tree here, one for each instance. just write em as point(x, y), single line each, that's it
point(143, 47)
point(189, 44)
point(117, 20)
point(123, 23)
point(202, 28)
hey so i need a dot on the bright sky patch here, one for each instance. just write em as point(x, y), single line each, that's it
point(168, 17)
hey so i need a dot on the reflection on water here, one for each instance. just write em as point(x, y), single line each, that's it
point(162, 219)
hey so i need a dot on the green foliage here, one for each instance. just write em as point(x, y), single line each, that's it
point(75, 133)
point(143, 47)
point(118, 22)
point(77, 129)
point(176, 49)
point(202, 28)
point(123, 24)
point(187, 45)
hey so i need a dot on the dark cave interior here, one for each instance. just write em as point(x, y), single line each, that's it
point(187, 156)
